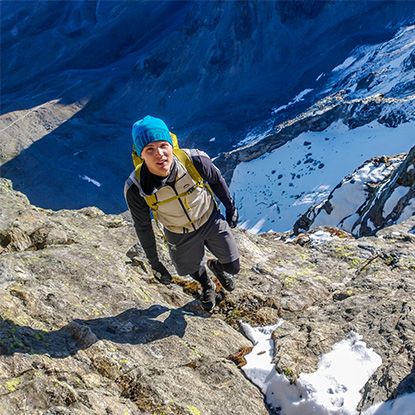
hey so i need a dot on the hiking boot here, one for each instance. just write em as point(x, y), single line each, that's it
point(224, 278)
point(161, 273)
point(165, 279)
point(208, 296)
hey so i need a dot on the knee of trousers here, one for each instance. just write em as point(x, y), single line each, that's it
point(232, 267)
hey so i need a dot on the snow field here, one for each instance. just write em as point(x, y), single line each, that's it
point(334, 389)
point(273, 190)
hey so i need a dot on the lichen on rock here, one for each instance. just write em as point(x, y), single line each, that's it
point(85, 330)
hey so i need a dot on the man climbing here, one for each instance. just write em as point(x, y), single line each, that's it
point(179, 186)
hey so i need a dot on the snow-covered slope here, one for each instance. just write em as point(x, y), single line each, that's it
point(273, 190)
point(380, 192)
point(365, 108)
point(386, 69)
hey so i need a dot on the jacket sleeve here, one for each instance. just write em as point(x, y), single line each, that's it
point(213, 177)
point(140, 213)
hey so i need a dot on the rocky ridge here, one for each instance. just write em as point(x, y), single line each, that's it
point(375, 83)
point(389, 197)
point(84, 329)
point(337, 107)
point(21, 128)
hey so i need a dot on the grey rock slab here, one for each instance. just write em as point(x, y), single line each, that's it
point(84, 329)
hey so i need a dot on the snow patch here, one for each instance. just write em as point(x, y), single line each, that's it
point(318, 194)
point(408, 211)
point(320, 76)
point(371, 225)
point(333, 389)
point(347, 62)
point(320, 237)
point(403, 405)
point(393, 199)
point(257, 227)
point(299, 97)
point(252, 138)
point(88, 179)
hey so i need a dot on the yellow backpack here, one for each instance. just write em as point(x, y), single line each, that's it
point(186, 161)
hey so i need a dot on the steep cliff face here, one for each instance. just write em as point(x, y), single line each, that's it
point(379, 193)
point(76, 75)
point(84, 330)
point(187, 60)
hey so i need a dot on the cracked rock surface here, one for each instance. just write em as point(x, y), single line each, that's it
point(86, 329)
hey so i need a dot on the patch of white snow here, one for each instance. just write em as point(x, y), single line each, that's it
point(257, 227)
point(333, 389)
point(320, 76)
point(408, 211)
point(393, 199)
point(88, 179)
point(298, 98)
point(403, 405)
point(371, 225)
point(347, 62)
point(320, 237)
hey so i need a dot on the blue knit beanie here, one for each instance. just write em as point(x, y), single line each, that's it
point(147, 130)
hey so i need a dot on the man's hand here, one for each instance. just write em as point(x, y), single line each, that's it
point(161, 273)
point(232, 216)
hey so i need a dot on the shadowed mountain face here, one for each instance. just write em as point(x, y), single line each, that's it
point(210, 69)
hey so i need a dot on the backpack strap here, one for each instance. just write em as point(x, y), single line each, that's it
point(187, 162)
point(184, 158)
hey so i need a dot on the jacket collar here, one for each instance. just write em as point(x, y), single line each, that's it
point(150, 182)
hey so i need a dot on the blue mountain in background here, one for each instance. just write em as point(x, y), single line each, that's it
point(76, 74)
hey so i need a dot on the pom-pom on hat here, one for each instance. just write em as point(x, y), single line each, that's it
point(147, 130)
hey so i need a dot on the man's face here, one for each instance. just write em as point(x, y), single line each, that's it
point(158, 157)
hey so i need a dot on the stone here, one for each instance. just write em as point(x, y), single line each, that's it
point(83, 330)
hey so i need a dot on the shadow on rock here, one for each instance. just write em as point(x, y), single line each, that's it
point(133, 326)
point(407, 385)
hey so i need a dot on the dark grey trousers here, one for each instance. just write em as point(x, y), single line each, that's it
point(187, 250)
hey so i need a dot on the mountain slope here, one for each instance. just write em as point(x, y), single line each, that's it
point(84, 330)
point(298, 162)
point(379, 193)
point(212, 70)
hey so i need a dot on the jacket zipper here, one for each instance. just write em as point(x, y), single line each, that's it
point(182, 205)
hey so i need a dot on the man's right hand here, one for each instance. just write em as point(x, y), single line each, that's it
point(161, 273)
